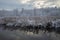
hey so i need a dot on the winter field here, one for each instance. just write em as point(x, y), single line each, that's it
point(21, 35)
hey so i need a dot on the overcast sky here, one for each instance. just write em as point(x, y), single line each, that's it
point(28, 4)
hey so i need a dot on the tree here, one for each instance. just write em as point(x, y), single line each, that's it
point(16, 12)
point(22, 11)
point(35, 12)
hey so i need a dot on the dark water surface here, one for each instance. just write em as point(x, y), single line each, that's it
point(21, 35)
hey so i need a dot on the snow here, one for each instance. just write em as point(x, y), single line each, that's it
point(31, 21)
point(56, 23)
point(10, 24)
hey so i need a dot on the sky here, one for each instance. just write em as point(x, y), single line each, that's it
point(28, 4)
